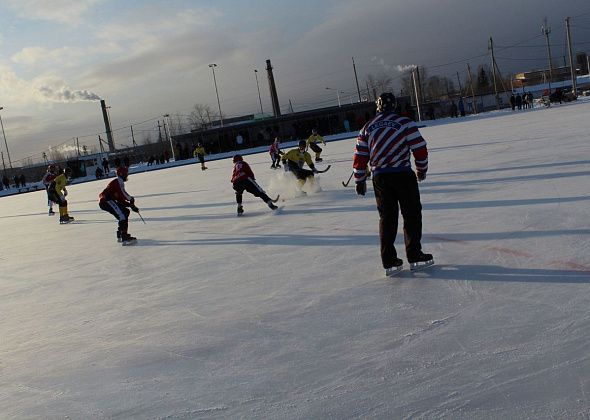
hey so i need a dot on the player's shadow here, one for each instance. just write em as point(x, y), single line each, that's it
point(494, 273)
point(502, 203)
point(516, 178)
point(492, 236)
point(270, 240)
point(516, 168)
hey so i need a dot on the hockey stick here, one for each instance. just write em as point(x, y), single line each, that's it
point(276, 199)
point(139, 214)
point(345, 184)
point(324, 170)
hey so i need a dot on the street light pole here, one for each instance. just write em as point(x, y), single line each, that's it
point(216, 92)
point(258, 87)
point(337, 95)
point(5, 142)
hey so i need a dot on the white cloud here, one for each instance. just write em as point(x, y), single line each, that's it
point(62, 11)
point(43, 89)
point(33, 55)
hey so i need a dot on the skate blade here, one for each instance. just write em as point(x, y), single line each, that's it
point(420, 265)
point(394, 271)
point(129, 243)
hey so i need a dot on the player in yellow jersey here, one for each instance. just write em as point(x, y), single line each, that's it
point(312, 142)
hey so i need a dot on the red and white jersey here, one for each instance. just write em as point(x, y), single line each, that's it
point(48, 178)
point(385, 143)
point(241, 171)
point(116, 191)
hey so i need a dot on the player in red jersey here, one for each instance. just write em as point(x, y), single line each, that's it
point(115, 200)
point(243, 180)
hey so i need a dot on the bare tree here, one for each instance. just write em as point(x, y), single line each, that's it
point(379, 83)
point(200, 116)
point(178, 124)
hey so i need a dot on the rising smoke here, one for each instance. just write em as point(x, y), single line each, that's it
point(65, 94)
point(405, 67)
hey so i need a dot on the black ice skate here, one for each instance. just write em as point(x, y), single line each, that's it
point(65, 219)
point(397, 266)
point(51, 212)
point(271, 205)
point(240, 210)
point(421, 261)
point(319, 159)
point(127, 239)
point(119, 238)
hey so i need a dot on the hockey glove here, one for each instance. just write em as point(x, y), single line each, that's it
point(65, 192)
point(132, 200)
point(134, 208)
point(361, 188)
point(421, 176)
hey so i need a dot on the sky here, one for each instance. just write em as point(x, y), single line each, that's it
point(288, 314)
point(149, 58)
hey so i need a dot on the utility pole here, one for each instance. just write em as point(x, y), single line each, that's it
point(569, 48)
point(356, 79)
point(460, 88)
point(160, 133)
point(78, 146)
point(133, 138)
point(414, 71)
point(368, 92)
point(546, 30)
point(472, 91)
point(491, 48)
point(291, 105)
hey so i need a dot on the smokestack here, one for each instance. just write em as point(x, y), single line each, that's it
point(273, 90)
point(107, 126)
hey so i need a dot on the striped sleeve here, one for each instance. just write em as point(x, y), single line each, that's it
point(361, 157)
point(418, 147)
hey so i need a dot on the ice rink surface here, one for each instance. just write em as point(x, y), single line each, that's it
point(288, 315)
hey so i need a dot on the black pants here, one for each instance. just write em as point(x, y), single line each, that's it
point(299, 172)
point(56, 198)
point(120, 212)
point(395, 191)
point(252, 187)
point(315, 147)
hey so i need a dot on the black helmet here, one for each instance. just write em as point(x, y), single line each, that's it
point(237, 158)
point(302, 144)
point(385, 102)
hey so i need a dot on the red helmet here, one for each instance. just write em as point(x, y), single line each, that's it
point(122, 171)
point(238, 158)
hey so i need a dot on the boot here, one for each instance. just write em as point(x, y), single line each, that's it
point(397, 266)
point(420, 260)
point(64, 219)
point(127, 239)
point(240, 210)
